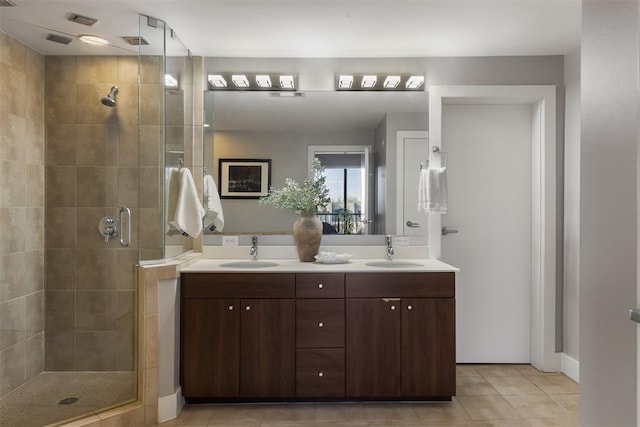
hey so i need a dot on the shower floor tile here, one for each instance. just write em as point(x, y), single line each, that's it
point(36, 403)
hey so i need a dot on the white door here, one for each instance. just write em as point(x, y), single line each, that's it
point(489, 181)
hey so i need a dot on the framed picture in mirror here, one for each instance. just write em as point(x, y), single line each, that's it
point(244, 178)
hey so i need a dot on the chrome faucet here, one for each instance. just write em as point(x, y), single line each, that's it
point(254, 248)
point(389, 248)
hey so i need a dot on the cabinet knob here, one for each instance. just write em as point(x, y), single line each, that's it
point(320, 286)
point(230, 308)
point(321, 374)
point(320, 325)
point(410, 307)
point(393, 307)
point(248, 308)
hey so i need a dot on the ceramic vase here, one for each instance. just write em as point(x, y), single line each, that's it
point(307, 232)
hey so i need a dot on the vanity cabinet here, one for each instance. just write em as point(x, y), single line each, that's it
point(238, 336)
point(400, 335)
point(281, 336)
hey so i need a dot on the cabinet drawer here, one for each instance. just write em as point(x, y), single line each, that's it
point(320, 373)
point(417, 285)
point(238, 285)
point(319, 323)
point(320, 285)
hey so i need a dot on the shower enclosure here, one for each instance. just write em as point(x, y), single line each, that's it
point(68, 297)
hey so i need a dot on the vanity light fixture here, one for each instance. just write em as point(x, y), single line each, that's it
point(368, 81)
point(93, 40)
point(240, 80)
point(263, 80)
point(286, 82)
point(216, 80)
point(391, 82)
point(170, 81)
point(345, 82)
point(414, 82)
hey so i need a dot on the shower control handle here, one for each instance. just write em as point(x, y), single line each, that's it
point(108, 227)
point(124, 210)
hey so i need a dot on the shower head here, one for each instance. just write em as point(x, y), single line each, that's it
point(110, 99)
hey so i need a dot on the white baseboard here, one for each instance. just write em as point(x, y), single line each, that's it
point(169, 407)
point(570, 367)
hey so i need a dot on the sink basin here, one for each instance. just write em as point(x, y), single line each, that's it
point(249, 264)
point(393, 264)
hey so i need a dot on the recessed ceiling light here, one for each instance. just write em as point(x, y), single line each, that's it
point(369, 81)
point(263, 80)
point(414, 82)
point(286, 82)
point(217, 80)
point(391, 82)
point(170, 81)
point(93, 40)
point(345, 82)
point(240, 80)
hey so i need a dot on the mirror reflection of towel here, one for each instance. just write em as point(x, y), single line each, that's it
point(213, 217)
point(189, 211)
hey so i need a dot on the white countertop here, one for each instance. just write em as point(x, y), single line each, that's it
point(295, 266)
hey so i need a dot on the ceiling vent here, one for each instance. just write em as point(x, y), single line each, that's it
point(7, 3)
point(58, 39)
point(136, 41)
point(81, 19)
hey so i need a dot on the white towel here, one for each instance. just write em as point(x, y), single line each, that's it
point(213, 216)
point(422, 190)
point(437, 190)
point(189, 211)
point(172, 179)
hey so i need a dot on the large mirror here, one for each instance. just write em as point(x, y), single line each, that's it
point(353, 133)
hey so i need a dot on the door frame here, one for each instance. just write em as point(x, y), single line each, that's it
point(542, 98)
point(401, 135)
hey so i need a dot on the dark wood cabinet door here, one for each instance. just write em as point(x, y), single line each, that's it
point(267, 355)
point(211, 348)
point(428, 347)
point(373, 357)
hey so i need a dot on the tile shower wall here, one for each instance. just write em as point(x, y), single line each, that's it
point(97, 159)
point(22, 175)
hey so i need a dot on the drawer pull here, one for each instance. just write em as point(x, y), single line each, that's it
point(393, 307)
point(321, 374)
point(320, 325)
point(248, 308)
point(230, 308)
point(320, 286)
point(410, 307)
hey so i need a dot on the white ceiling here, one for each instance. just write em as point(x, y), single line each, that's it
point(312, 28)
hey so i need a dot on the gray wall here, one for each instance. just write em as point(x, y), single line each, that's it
point(608, 212)
point(571, 204)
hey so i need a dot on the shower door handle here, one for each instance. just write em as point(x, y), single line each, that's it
point(125, 242)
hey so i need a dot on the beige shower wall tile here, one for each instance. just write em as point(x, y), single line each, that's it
point(35, 314)
point(13, 53)
point(13, 320)
point(34, 271)
point(12, 190)
point(150, 145)
point(12, 137)
point(128, 185)
point(59, 350)
point(12, 276)
point(61, 145)
point(150, 184)
point(35, 64)
point(97, 69)
point(96, 311)
point(34, 363)
point(96, 269)
point(151, 228)
point(127, 109)
point(13, 90)
point(127, 261)
point(35, 185)
point(60, 70)
point(13, 223)
point(60, 268)
point(128, 69)
point(60, 227)
point(34, 99)
point(61, 186)
point(61, 106)
point(151, 69)
point(35, 142)
point(96, 186)
point(150, 104)
point(96, 145)
point(34, 229)
point(12, 368)
point(127, 145)
point(96, 351)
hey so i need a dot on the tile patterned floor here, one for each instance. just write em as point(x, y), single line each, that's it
point(35, 403)
point(487, 396)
